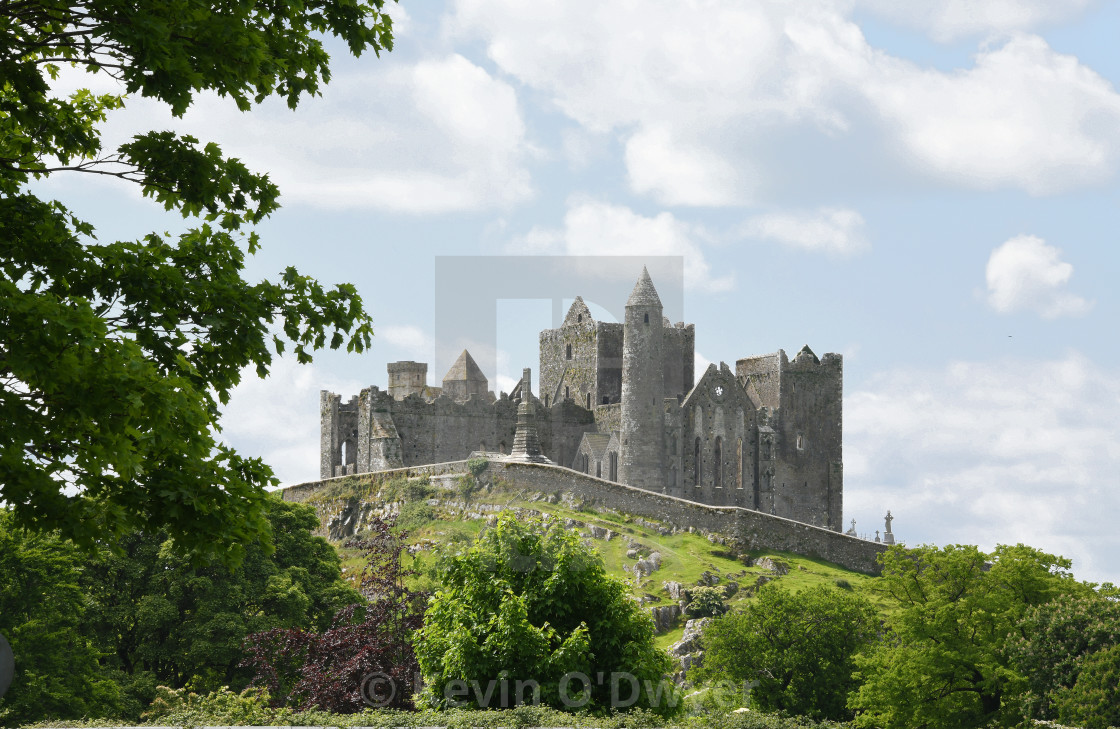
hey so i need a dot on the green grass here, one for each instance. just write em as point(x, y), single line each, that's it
point(685, 556)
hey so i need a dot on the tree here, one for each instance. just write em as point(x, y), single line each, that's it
point(161, 620)
point(942, 663)
point(330, 669)
point(1051, 643)
point(1093, 701)
point(41, 611)
point(529, 605)
point(797, 647)
point(116, 356)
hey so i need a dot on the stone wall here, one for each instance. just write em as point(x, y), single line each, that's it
point(750, 530)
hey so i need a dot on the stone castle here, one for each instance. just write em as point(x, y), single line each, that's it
point(617, 401)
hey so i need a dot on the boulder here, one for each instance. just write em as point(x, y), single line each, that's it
point(774, 565)
point(664, 617)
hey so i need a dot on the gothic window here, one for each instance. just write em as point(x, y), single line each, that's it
point(598, 469)
point(579, 318)
point(569, 351)
point(589, 401)
point(647, 319)
point(718, 463)
point(546, 400)
point(342, 453)
point(719, 390)
point(567, 392)
point(614, 466)
point(696, 468)
point(739, 465)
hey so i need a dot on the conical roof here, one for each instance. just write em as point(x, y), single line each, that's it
point(465, 369)
point(644, 294)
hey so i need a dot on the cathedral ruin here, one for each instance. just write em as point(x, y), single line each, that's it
point(618, 401)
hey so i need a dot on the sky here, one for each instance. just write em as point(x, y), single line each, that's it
point(928, 188)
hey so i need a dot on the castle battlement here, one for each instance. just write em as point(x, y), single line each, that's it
point(620, 401)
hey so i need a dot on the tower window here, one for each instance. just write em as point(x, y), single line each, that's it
point(579, 318)
point(589, 401)
point(569, 351)
point(567, 392)
point(696, 469)
point(718, 463)
point(647, 319)
point(800, 442)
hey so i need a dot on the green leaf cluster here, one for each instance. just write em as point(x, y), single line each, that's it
point(42, 608)
point(97, 634)
point(1052, 646)
point(116, 356)
point(795, 648)
point(528, 601)
point(942, 663)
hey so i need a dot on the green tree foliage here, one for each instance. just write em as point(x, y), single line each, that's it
point(531, 602)
point(116, 356)
point(1093, 701)
point(943, 664)
point(162, 620)
point(1052, 641)
point(797, 646)
point(706, 602)
point(41, 613)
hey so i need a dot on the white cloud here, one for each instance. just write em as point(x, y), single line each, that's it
point(1023, 116)
point(831, 230)
point(992, 452)
point(707, 96)
point(1026, 274)
point(436, 136)
point(601, 229)
point(676, 174)
point(277, 419)
point(949, 20)
point(414, 341)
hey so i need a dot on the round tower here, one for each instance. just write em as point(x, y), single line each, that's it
point(643, 389)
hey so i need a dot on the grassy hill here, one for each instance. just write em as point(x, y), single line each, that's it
point(448, 512)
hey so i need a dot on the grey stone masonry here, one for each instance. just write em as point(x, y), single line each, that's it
point(641, 461)
point(621, 401)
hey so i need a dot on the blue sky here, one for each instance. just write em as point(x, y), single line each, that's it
point(929, 188)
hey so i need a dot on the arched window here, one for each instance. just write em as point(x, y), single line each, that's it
point(546, 400)
point(579, 318)
point(598, 469)
point(647, 319)
point(614, 466)
point(739, 465)
point(696, 469)
point(589, 401)
point(569, 351)
point(342, 453)
point(567, 392)
point(717, 465)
